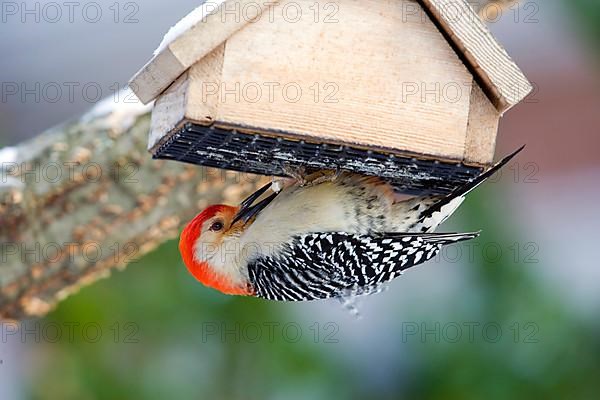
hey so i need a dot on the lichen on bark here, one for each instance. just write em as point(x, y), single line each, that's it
point(86, 197)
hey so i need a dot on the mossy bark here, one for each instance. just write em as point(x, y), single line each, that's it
point(86, 197)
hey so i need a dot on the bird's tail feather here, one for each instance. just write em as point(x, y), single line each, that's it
point(438, 212)
point(469, 186)
point(438, 238)
point(449, 238)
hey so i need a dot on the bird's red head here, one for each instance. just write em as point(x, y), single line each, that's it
point(198, 244)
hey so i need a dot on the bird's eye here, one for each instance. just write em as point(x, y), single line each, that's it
point(216, 226)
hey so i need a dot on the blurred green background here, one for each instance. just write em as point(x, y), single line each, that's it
point(191, 342)
point(520, 324)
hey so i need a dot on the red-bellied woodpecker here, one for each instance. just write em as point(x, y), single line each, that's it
point(321, 238)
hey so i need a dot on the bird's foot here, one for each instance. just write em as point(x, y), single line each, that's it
point(305, 179)
point(322, 176)
point(296, 173)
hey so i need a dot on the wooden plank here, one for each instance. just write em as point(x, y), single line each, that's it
point(164, 68)
point(203, 95)
point(190, 97)
point(375, 76)
point(501, 78)
point(481, 129)
point(169, 111)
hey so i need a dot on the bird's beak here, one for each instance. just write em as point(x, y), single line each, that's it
point(248, 211)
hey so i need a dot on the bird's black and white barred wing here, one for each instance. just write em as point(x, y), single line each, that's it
point(323, 265)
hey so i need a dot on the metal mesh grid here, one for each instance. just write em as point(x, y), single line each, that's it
point(253, 153)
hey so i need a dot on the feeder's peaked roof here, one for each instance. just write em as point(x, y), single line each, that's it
point(204, 29)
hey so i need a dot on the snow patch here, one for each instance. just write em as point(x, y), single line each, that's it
point(123, 102)
point(8, 155)
point(200, 13)
point(8, 158)
point(120, 110)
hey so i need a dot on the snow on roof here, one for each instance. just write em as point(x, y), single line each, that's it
point(187, 22)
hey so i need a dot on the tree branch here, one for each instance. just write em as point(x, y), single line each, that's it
point(86, 197)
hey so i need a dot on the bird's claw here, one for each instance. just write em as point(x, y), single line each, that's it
point(323, 176)
point(296, 173)
point(303, 179)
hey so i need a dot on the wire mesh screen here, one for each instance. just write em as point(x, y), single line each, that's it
point(253, 153)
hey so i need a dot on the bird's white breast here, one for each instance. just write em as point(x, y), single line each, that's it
point(296, 211)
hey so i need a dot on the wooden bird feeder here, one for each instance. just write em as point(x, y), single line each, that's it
point(411, 91)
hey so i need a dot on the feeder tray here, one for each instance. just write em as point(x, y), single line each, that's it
point(410, 91)
point(230, 149)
